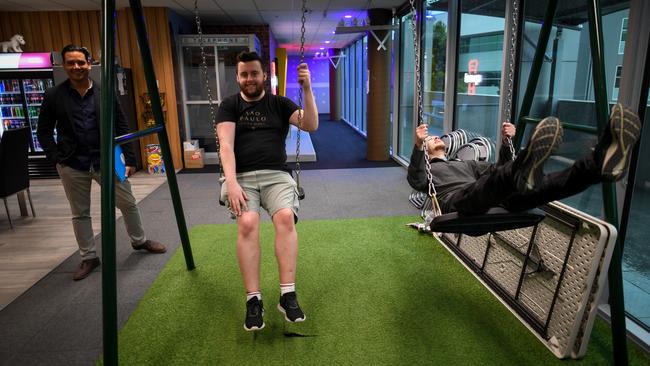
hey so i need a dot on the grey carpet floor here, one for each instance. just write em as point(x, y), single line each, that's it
point(59, 322)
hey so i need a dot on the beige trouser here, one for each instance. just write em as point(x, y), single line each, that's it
point(269, 189)
point(77, 185)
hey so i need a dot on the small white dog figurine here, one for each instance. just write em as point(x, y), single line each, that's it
point(13, 45)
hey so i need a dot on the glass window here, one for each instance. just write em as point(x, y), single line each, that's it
point(406, 124)
point(227, 56)
point(344, 64)
point(355, 83)
point(358, 90)
point(351, 71)
point(196, 94)
point(480, 58)
point(617, 83)
point(636, 253)
point(352, 76)
point(565, 88)
point(193, 73)
point(434, 60)
point(364, 85)
point(346, 82)
point(621, 43)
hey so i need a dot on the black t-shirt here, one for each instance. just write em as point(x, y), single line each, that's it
point(261, 128)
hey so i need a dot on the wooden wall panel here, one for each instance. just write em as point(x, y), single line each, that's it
point(57, 37)
point(95, 21)
point(44, 20)
point(51, 31)
point(84, 28)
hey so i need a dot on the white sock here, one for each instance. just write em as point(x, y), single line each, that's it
point(250, 295)
point(287, 287)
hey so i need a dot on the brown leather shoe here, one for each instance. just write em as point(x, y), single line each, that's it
point(85, 268)
point(151, 246)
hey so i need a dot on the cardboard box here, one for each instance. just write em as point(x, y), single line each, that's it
point(191, 145)
point(194, 158)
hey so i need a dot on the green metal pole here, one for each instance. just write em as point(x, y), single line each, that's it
point(616, 300)
point(535, 69)
point(107, 108)
point(152, 87)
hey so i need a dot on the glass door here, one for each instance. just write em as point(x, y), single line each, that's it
point(434, 61)
point(221, 63)
point(12, 110)
point(34, 90)
point(227, 69)
point(636, 255)
point(197, 108)
point(480, 57)
point(406, 123)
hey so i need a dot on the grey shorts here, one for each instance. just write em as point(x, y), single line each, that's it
point(272, 190)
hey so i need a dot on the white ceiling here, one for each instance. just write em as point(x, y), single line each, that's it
point(283, 16)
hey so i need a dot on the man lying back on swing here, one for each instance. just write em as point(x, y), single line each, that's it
point(473, 187)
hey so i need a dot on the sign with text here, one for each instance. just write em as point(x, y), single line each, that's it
point(472, 78)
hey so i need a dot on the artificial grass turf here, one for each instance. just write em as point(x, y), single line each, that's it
point(374, 291)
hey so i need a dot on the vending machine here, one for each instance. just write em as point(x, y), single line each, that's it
point(24, 77)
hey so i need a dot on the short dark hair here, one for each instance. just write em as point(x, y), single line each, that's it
point(75, 48)
point(246, 56)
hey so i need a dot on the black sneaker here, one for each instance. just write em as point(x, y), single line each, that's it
point(289, 307)
point(254, 314)
point(546, 138)
point(624, 130)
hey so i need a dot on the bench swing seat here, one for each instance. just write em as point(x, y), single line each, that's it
point(494, 220)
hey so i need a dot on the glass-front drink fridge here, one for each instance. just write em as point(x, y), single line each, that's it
point(24, 77)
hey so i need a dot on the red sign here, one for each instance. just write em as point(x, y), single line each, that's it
point(472, 69)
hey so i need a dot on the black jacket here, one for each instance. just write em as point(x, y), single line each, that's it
point(55, 112)
point(448, 176)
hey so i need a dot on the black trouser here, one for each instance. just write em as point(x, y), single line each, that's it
point(496, 187)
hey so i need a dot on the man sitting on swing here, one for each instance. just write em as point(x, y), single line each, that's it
point(473, 187)
point(252, 126)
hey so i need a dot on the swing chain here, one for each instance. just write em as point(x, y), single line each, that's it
point(418, 95)
point(416, 52)
point(507, 103)
point(204, 67)
point(301, 111)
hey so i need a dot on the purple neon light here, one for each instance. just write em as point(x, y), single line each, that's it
point(34, 60)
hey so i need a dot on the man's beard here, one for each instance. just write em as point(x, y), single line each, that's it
point(259, 88)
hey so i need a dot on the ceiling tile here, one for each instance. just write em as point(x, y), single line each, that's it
point(244, 17)
point(236, 5)
point(264, 5)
